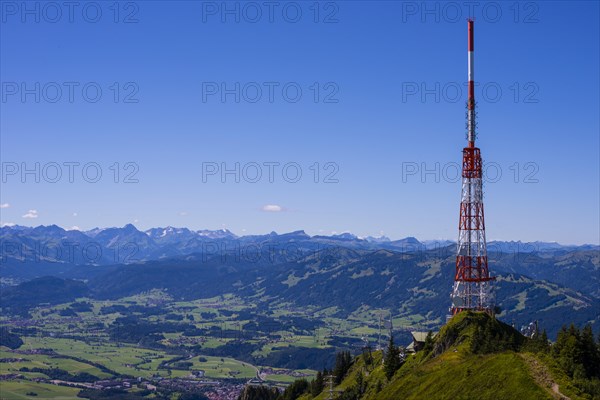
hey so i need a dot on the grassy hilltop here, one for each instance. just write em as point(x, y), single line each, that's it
point(452, 371)
point(474, 356)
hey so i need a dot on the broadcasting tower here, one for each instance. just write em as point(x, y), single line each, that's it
point(472, 288)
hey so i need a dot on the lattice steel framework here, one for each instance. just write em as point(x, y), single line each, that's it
point(472, 288)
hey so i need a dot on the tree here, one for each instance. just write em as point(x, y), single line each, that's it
point(428, 346)
point(350, 393)
point(343, 362)
point(9, 339)
point(477, 340)
point(391, 363)
point(538, 343)
point(577, 353)
point(317, 385)
point(361, 385)
point(590, 356)
point(544, 339)
point(258, 393)
point(541, 343)
point(367, 356)
point(567, 350)
point(296, 389)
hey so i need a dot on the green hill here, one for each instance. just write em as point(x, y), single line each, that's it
point(474, 356)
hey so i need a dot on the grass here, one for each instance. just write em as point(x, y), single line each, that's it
point(223, 367)
point(45, 361)
point(288, 378)
point(293, 340)
point(110, 355)
point(456, 373)
point(521, 297)
point(493, 377)
point(16, 390)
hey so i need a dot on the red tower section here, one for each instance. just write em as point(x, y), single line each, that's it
point(472, 288)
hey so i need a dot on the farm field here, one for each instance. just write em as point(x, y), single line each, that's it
point(16, 390)
point(152, 339)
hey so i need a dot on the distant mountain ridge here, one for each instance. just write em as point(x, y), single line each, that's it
point(27, 253)
point(534, 281)
point(128, 244)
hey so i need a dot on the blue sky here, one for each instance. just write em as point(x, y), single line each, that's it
point(382, 102)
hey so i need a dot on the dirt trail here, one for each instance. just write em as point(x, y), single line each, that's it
point(543, 377)
point(556, 390)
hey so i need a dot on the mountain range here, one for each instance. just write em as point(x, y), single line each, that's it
point(544, 282)
point(106, 246)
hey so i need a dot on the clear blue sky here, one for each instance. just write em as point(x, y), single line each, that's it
point(371, 57)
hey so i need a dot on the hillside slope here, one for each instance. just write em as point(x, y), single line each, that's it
point(452, 370)
point(411, 284)
point(456, 376)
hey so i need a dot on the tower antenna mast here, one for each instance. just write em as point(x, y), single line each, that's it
point(472, 289)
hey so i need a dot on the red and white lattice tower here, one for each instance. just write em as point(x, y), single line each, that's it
point(472, 288)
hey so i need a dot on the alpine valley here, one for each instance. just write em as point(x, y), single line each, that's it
point(170, 307)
